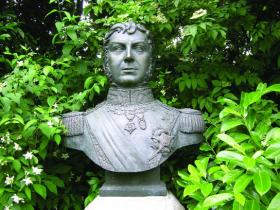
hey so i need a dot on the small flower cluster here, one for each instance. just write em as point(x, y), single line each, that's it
point(9, 180)
point(6, 139)
point(54, 121)
point(2, 85)
point(160, 18)
point(16, 199)
point(28, 155)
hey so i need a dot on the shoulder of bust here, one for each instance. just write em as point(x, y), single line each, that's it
point(191, 121)
point(74, 123)
point(98, 106)
point(169, 108)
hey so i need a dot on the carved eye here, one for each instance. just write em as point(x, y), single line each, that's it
point(116, 47)
point(139, 48)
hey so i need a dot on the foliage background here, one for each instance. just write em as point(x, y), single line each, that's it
point(213, 55)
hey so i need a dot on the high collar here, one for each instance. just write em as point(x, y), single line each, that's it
point(134, 96)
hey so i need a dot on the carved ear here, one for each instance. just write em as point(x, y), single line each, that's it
point(74, 123)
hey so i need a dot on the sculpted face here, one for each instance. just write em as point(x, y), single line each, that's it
point(129, 57)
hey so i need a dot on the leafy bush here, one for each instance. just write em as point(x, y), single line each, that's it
point(239, 164)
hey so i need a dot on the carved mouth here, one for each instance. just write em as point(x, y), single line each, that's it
point(128, 70)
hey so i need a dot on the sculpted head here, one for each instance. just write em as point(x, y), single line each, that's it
point(128, 55)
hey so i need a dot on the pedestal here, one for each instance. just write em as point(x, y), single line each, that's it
point(168, 202)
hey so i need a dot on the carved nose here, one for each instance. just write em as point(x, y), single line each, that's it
point(128, 56)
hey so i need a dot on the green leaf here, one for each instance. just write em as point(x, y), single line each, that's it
point(96, 88)
point(68, 15)
point(275, 203)
point(57, 181)
point(231, 176)
point(81, 67)
point(29, 123)
point(51, 100)
point(71, 33)
point(57, 138)
point(227, 110)
point(237, 206)
point(202, 165)
point(249, 162)
point(213, 34)
point(252, 205)
point(230, 123)
point(51, 186)
point(190, 189)
point(59, 26)
point(273, 151)
point(273, 134)
point(193, 172)
point(273, 88)
point(4, 119)
point(47, 70)
point(27, 192)
point(206, 188)
point(6, 103)
point(19, 119)
point(250, 120)
point(241, 183)
point(46, 130)
point(192, 30)
point(230, 156)
point(230, 141)
point(41, 190)
point(88, 82)
point(67, 49)
point(262, 182)
point(52, 11)
point(240, 198)
point(16, 165)
point(217, 199)
point(1, 191)
point(250, 98)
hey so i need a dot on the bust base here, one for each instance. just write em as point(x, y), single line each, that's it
point(168, 202)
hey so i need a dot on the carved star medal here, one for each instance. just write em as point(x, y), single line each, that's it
point(130, 127)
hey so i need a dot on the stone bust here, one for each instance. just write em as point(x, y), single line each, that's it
point(131, 131)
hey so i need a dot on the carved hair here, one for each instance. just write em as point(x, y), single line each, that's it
point(129, 28)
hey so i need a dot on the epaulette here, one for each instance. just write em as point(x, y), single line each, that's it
point(191, 121)
point(74, 123)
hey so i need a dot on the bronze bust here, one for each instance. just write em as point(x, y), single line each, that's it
point(131, 131)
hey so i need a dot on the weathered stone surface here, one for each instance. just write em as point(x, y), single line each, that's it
point(168, 202)
point(146, 183)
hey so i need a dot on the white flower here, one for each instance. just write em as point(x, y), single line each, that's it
point(65, 156)
point(9, 180)
point(2, 139)
point(7, 207)
point(55, 153)
point(55, 106)
point(27, 181)
point(20, 63)
point(28, 155)
point(50, 124)
point(37, 170)
point(17, 147)
point(17, 199)
point(199, 13)
point(2, 85)
point(56, 119)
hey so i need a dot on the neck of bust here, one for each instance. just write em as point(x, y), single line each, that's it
point(132, 96)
